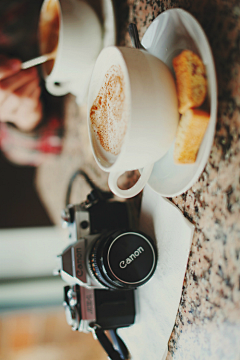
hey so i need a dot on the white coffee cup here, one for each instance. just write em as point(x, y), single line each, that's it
point(79, 43)
point(151, 108)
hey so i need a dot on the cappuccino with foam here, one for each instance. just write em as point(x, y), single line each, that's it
point(49, 25)
point(108, 114)
point(132, 114)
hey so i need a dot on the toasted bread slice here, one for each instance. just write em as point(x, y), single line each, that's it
point(191, 80)
point(190, 133)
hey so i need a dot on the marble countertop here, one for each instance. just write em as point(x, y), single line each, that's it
point(208, 320)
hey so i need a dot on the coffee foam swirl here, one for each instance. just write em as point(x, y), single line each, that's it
point(108, 113)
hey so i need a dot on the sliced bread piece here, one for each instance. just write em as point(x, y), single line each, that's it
point(190, 80)
point(190, 132)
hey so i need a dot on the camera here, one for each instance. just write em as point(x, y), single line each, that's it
point(106, 261)
point(105, 253)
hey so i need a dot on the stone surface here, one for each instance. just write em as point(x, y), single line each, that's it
point(208, 321)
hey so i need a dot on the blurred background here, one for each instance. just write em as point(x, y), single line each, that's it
point(35, 169)
point(32, 319)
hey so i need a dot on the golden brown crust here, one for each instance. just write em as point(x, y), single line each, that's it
point(191, 80)
point(190, 133)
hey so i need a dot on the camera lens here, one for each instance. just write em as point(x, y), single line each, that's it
point(123, 260)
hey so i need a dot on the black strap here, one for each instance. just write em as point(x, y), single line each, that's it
point(119, 344)
point(133, 33)
point(120, 354)
point(99, 193)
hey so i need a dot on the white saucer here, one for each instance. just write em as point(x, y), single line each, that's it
point(171, 32)
point(109, 24)
point(105, 11)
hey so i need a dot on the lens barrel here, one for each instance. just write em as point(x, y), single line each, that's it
point(123, 260)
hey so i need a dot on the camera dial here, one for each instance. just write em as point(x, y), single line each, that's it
point(123, 260)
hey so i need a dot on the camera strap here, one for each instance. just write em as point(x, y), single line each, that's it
point(97, 192)
point(116, 349)
point(119, 344)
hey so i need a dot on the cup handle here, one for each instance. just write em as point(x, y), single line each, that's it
point(135, 189)
point(57, 89)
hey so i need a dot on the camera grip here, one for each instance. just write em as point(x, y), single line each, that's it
point(135, 189)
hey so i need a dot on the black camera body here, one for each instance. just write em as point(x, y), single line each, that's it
point(106, 261)
point(86, 301)
point(105, 253)
point(109, 309)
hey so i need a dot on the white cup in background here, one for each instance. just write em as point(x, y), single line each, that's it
point(151, 109)
point(79, 43)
